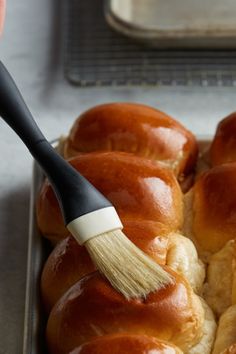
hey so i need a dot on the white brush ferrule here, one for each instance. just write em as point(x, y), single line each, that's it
point(95, 223)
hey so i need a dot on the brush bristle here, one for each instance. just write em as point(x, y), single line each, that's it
point(129, 270)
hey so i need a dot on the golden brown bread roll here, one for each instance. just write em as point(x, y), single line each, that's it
point(181, 256)
point(141, 344)
point(66, 264)
point(126, 344)
point(49, 217)
point(220, 288)
point(93, 308)
point(138, 188)
point(223, 146)
point(210, 209)
point(69, 262)
point(134, 128)
point(226, 333)
point(205, 344)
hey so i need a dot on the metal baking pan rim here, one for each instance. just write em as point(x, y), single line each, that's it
point(38, 250)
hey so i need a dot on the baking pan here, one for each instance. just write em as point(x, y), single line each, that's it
point(182, 23)
point(95, 55)
point(38, 251)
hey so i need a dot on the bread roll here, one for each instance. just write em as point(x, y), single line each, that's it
point(181, 256)
point(223, 147)
point(205, 344)
point(220, 289)
point(226, 333)
point(66, 264)
point(210, 209)
point(126, 344)
point(134, 128)
point(139, 189)
point(49, 217)
point(69, 262)
point(93, 308)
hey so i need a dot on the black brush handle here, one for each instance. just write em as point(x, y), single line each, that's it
point(75, 194)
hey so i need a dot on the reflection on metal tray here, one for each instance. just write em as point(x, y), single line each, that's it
point(97, 55)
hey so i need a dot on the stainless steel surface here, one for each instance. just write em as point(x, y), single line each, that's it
point(97, 56)
point(35, 322)
point(188, 23)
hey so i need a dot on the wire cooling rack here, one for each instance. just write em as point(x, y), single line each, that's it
point(95, 55)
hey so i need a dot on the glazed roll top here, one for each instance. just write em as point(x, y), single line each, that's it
point(211, 215)
point(223, 147)
point(126, 344)
point(139, 189)
point(93, 308)
point(69, 261)
point(134, 128)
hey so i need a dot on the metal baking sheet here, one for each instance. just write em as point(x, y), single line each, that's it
point(190, 23)
point(96, 55)
point(38, 251)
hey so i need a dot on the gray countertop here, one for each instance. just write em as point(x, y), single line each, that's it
point(30, 49)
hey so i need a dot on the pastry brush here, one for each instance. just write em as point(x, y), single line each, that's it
point(88, 215)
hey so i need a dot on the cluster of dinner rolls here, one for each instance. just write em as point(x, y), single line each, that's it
point(183, 217)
